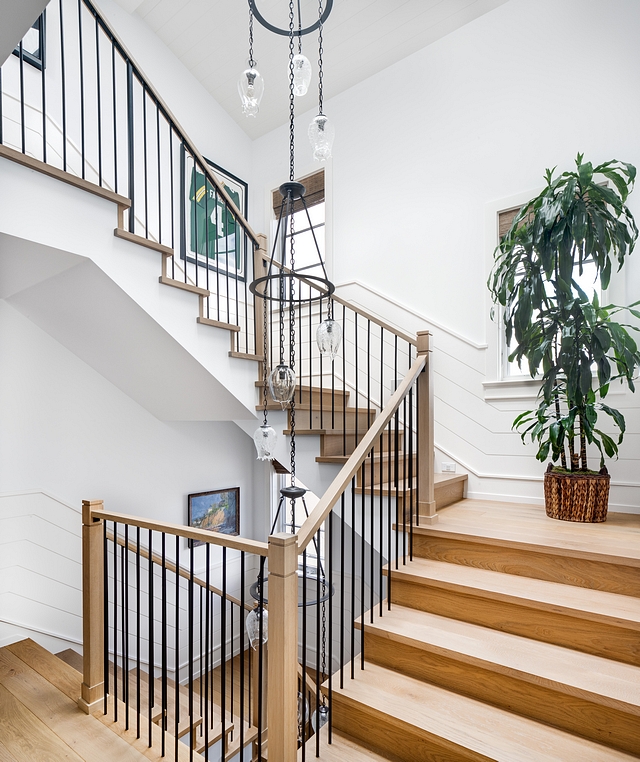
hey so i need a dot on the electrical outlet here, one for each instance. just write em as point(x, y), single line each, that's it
point(448, 467)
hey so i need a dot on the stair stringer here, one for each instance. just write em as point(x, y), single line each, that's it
point(78, 270)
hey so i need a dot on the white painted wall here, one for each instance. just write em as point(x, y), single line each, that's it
point(429, 149)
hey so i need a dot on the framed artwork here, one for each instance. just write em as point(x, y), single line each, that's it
point(217, 511)
point(214, 238)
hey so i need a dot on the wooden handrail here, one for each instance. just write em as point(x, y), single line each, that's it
point(213, 538)
point(171, 118)
point(156, 558)
point(339, 484)
point(367, 315)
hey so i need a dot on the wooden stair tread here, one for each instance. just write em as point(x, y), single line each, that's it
point(584, 603)
point(431, 712)
point(343, 748)
point(26, 694)
point(440, 480)
point(72, 658)
point(594, 678)
point(513, 524)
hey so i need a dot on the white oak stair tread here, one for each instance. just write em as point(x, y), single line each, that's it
point(583, 603)
point(615, 541)
point(594, 678)
point(459, 723)
point(343, 748)
point(24, 693)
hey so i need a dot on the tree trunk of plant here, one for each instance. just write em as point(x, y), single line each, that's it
point(583, 447)
point(575, 457)
point(563, 457)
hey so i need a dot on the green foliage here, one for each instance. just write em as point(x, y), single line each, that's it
point(556, 328)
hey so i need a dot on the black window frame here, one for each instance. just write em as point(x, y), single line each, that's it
point(39, 62)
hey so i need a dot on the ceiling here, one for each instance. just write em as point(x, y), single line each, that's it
point(362, 37)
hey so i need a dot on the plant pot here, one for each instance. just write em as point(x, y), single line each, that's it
point(576, 496)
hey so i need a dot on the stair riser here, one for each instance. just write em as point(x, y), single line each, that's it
point(339, 398)
point(575, 714)
point(580, 572)
point(341, 419)
point(381, 469)
point(401, 741)
point(594, 637)
point(333, 444)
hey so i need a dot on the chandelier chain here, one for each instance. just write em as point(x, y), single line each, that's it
point(252, 63)
point(292, 339)
point(292, 150)
point(299, 29)
point(320, 57)
point(265, 370)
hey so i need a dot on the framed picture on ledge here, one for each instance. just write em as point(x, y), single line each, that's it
point(216, 511)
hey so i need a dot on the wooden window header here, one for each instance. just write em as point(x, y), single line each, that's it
point(314, 195)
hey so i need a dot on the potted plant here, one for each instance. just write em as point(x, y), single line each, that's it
point(575, 341)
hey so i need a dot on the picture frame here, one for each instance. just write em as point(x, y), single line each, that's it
point(213, 237)
point(216, 510)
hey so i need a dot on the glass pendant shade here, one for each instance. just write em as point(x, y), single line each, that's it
point(329, 338)
point(321, 134)
point(265, 441)
point(301, 74)
point(251, 89)
point(253, 627)
point(320, 718)
point(282, 384)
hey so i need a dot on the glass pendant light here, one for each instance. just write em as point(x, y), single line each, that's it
point(251, 89)
point(282, 384)
point(265, 439)
point(321, 134)
point(329, 337)
point(301, 74)
point(253, 626)
point(320, 718)
point(251, 84)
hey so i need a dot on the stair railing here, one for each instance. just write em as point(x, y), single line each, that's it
point(88, 110)
point(166, 652)
point(367, 517)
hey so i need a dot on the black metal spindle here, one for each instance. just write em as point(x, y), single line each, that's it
point(190, 635)
point(216, 201)
point(223, 651)
point(318, 605)
point(145, 170)
point(381, 517)
point(115, 114)
point(105, 593)
point(43, 85)
point(125, 623)
point(303, 688)
point(177, 651)
point(342, 522)
point(150, 673)
point(131, 147)
point(159, 170)
point(63, 91)
point(22, 122)
point(207, 720)
point(363, 512)
point(115, 621)
point(372, 513)
point(81, 69)
point(344, 381)
point(353, 576)
point(241, 626)
point(98, 101)
point(389, 521)
point(260, 655)
point(321, 379)
point(164, 665)
point(355, 317)
point(329, 591)
point(138, 632)
point(311, 426)
point(411, 493)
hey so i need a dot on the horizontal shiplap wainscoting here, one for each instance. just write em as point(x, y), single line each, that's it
point(474, 411)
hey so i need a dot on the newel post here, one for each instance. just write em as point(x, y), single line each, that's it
point(92, 692)
point(260, 261)
point(282, 682)
point(426, 447)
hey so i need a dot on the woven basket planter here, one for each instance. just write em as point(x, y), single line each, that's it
point(577, 496)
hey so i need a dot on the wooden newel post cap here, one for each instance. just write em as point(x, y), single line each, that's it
point(423, 342)
point(88, 506)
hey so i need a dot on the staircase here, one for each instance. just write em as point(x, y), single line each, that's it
point(40, 719)
point(511, 637)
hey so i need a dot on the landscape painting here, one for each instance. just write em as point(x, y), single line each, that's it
point(217, 511)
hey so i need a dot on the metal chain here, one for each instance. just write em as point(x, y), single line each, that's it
point(292, 150)
point(324, 635)
point(252, 63)
point(265, 371)
point(320, 54)
point(299, 29)
point(292, 338)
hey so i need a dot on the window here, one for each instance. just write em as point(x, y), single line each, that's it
point(307, 228)
point(33, 44)
point(587, 280)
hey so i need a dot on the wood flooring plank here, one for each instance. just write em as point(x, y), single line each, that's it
point(27, 737)
point(57, 672)
point(89, 739)
point(5, 756)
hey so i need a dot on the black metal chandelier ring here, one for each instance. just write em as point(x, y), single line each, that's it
point(286, 32)
point(278, 277)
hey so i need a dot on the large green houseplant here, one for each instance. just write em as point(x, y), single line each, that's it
point(580, 217)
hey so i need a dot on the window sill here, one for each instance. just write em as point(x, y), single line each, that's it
point(524, 388)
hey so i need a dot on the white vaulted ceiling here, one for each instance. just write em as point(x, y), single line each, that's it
point(362, 37)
